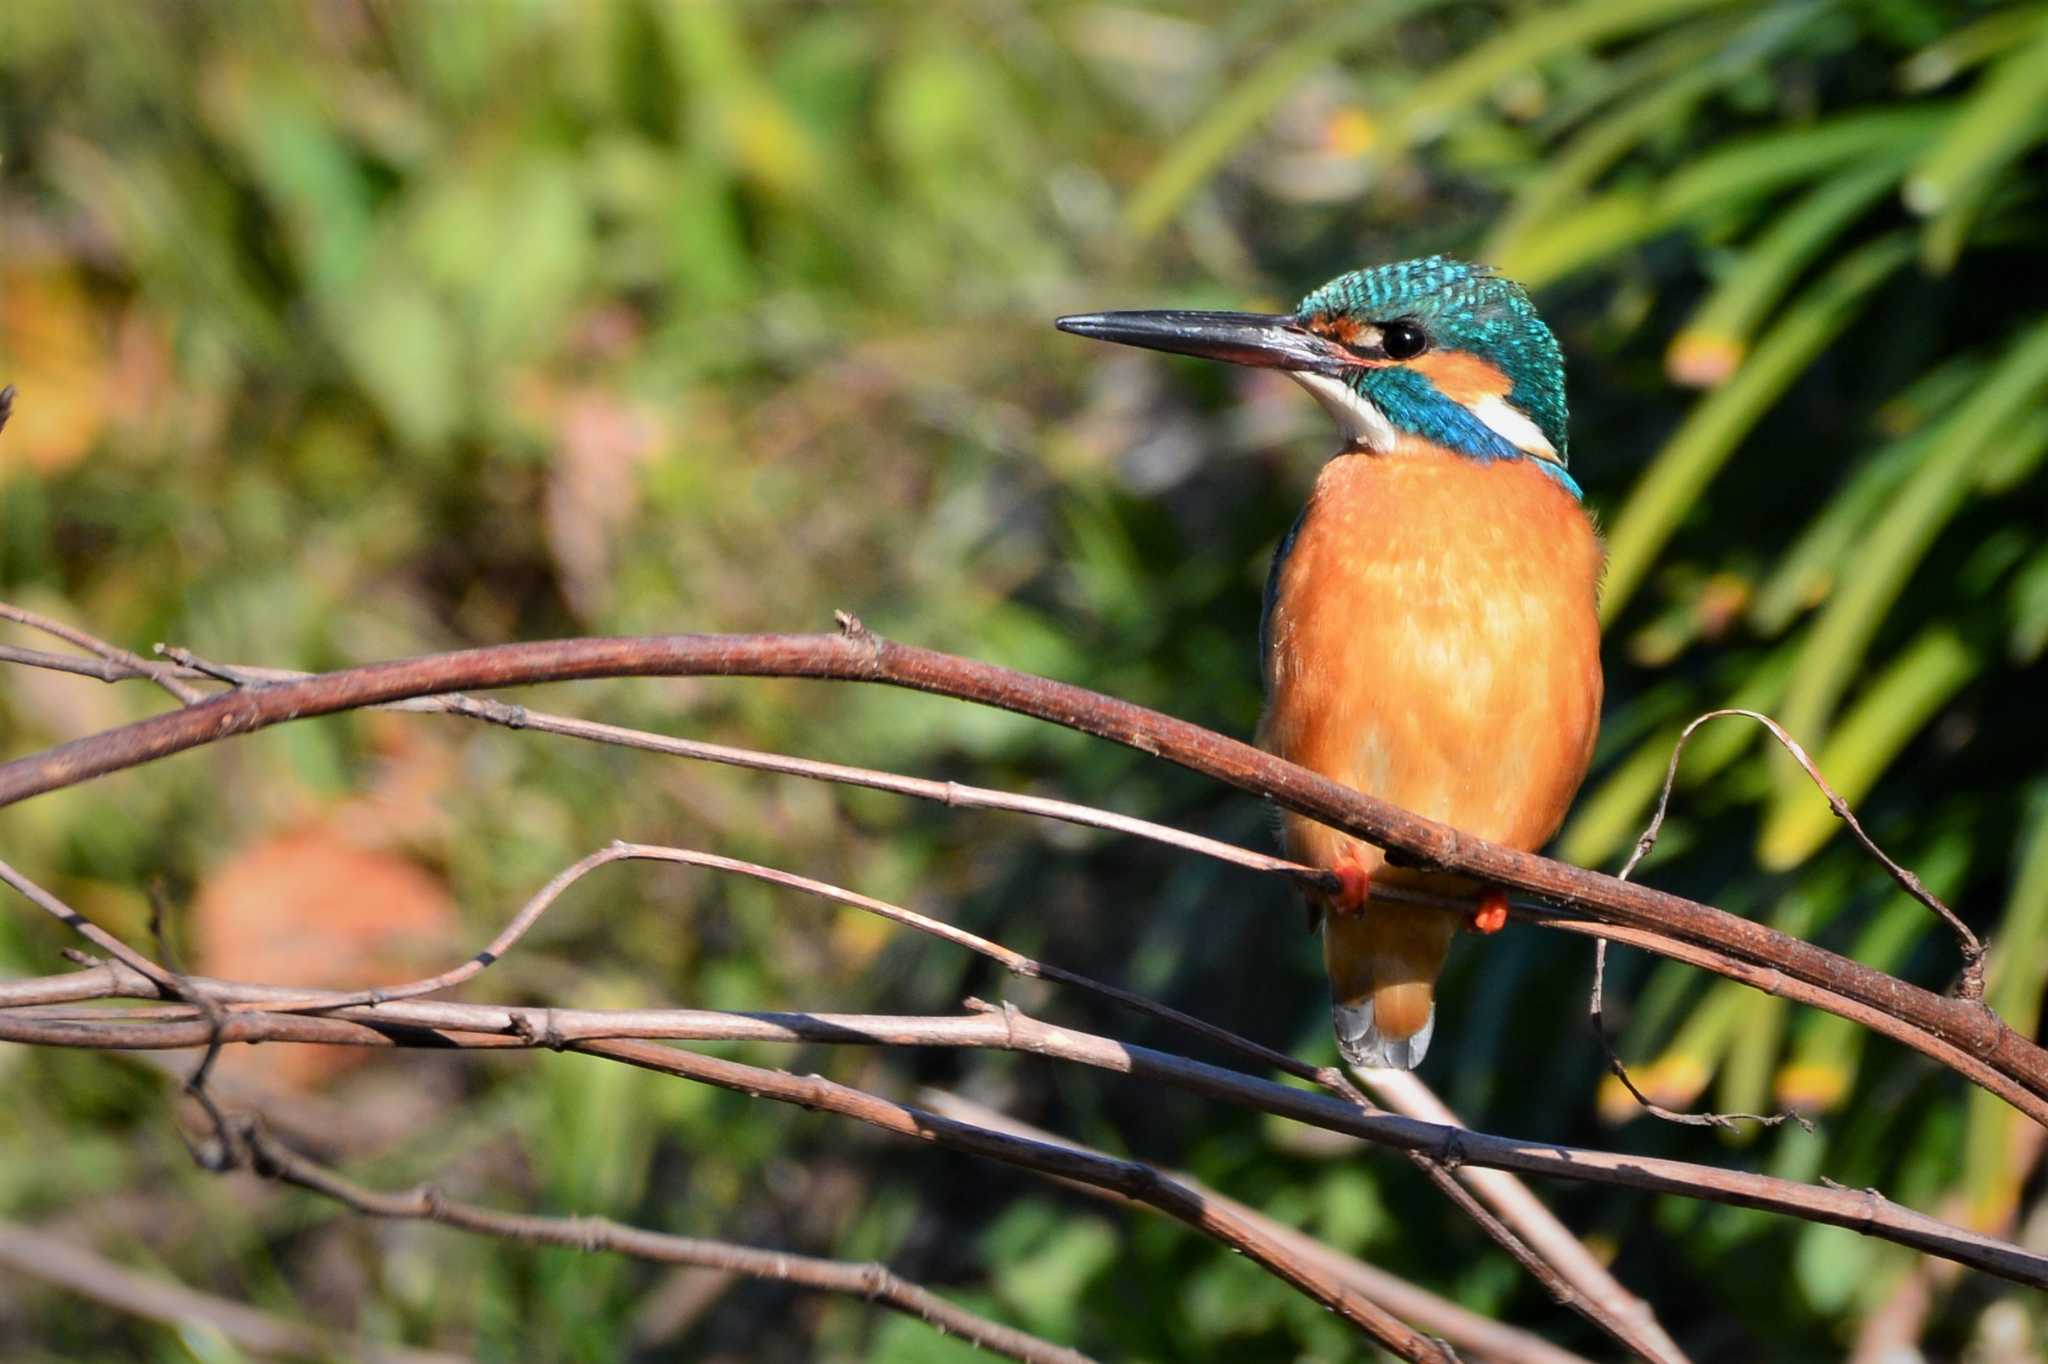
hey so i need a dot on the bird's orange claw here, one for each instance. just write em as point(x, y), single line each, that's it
point(1354, 887)
point(1492, 914)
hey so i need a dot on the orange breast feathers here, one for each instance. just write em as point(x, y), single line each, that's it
point(1433, 641)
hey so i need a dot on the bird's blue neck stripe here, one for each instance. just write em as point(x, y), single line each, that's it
point(1563, 478)
point(1413, 403)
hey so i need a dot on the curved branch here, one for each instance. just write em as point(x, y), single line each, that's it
point(628, 1035)
point(114, 663)
point(1960, 1034)
point(1515, 1203)
point(872, 1281)
point(1579, 1282)
point(953, 794)
point(1972, 949)
point(1463, 1328)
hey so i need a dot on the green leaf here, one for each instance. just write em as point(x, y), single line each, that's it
point(1960, 49)
point(2030, 610)
point(1535, 38)
point(1996, 124)
point(1809, 569)
point(1708, 189)
point(1711, 345)
point(1897, 703)
point(1233, 118)
point(1827, 1049)
point(1887, 556)
point(1043, 1275)
point(402, 350)
point(1696, 451)
point(1605, 822)
point(1832, 1265)
point(1568, 171)
point(2016, 973)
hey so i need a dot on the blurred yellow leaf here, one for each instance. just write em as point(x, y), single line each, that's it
point(54, 350)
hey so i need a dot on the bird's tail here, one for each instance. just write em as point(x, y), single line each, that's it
point(1383, 967)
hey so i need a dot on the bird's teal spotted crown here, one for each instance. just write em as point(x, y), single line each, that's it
point(1435, 348)
point(1459, 307)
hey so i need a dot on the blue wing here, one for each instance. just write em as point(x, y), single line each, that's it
point(1272, 591)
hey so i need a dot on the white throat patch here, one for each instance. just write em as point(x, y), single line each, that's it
point(1362, 423)
point(1508, 422)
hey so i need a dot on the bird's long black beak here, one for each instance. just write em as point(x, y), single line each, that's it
point(1267, 340)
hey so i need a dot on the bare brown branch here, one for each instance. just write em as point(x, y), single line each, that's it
point(519, 717)
point(1597, 1296)
point(626, 1035)
point(872, 1281)
point(119, 662)
point(87, 929)
point(958, 795)
point(1462, 1329)
point(1960, 1033)
point(1130, 1178)
point(1575, 1278)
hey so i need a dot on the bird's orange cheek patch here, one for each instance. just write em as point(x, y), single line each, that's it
point(1462, 376)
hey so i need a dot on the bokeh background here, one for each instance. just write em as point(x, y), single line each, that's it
point(349, 330)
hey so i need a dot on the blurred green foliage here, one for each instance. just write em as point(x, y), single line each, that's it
point(349, 330)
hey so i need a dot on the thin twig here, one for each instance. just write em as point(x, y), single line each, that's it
point(1134, 1180)
point(556, 1028)
point(163, 980)
point(882, 656)
point(90, 931)
point(222, 1154)
point(1772, 981)
point(1992, 1055)
point(224, 1026)
point(137, 665)
point(626, 1034)
point(1971, 985)
point(1907, 1032)
point(1727, 1122)
point(1862, 1210)
point(1601, 1295)
point(958, 795)
point(1589, 1303)
point(1014, 961)
point(1017, 963)
point(872, 1282)
point(1463, 1329)
point(1644, 1339)
point(99, 669)
point(1588, 1299)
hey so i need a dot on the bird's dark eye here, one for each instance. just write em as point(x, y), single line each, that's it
point(1402, 340)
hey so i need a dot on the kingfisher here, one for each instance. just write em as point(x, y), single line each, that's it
point(1430, 633)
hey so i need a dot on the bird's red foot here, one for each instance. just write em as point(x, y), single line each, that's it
point(1354, 887)
point(1492, 914)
